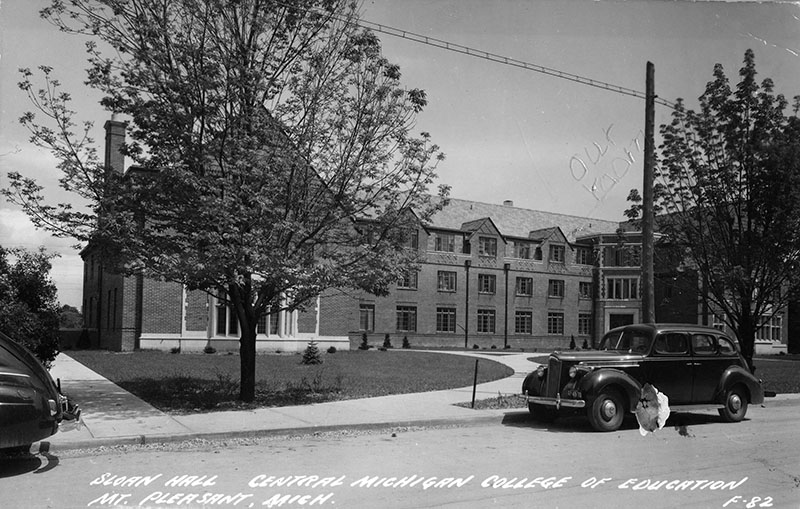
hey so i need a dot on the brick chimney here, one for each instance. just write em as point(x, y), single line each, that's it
point(115, 138)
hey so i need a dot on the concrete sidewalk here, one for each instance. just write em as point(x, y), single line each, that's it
point(113, 416)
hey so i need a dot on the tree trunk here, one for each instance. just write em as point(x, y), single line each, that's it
point(247, 358)
point(747, 338)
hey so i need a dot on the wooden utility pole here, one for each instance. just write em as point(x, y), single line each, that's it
point(648, 295)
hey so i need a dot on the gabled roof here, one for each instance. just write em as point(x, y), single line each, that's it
point(517, 222)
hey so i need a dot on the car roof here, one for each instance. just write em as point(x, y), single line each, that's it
point(661, 327)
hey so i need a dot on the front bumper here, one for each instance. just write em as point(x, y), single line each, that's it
point(557, 402)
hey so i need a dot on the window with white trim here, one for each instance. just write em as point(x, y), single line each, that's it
point(555, 323)
point(524, 286)
point(487, 283)
point(445, 242)
point(523, 322)
point(406, 318)
point(446, 281)
point(555, 288)
point(622, 288)
point(486, 321)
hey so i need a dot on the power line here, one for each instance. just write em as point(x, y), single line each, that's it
point(493, 57)
point(466, 50)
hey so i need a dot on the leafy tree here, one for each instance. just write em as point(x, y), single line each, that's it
point(272, 145)
point(28, 307)
point(728, 198)
point(69, 317)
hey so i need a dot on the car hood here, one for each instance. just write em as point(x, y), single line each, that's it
point(597, 357)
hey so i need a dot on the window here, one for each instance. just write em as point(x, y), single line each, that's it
point(583, 256)
point(555, 323)
point(525, 286)
point(446, 281)
point(671, 343)
point(486, 283)
point(627, 256)
point(555, 288)
point(718, 322)
point(771, 328)
point(584, 324)
point(406, 318)
point(227, 323)
point(522, 250)
point(487, 246)
point(486, 320)
point(585, 289)
point(726, 347)
point(366, 317)
point(622, 288)
point(445, 319)
point(445, 242)
point(537, 255)
point(268, 321)
point(557, 253)
point(703, 344)
point(523, 322)
point(413, 241)
point(409, 280)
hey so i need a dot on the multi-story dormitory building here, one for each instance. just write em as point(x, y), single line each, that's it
point(491, 275)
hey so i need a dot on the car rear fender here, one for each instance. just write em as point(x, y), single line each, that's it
point(737, 375)
point(594, 382)
point(532, 385)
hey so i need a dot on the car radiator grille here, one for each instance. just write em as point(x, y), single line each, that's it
point(553, 377)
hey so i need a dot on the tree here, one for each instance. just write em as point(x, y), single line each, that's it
point(28, 306)
point(69, 317)
point(728, 198)
point(273, 148)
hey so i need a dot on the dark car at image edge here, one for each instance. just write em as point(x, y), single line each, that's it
point(696, 367)
point(31, 404)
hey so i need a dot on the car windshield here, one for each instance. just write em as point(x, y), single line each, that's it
point(626, 341)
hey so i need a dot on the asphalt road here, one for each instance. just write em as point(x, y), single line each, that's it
point(696, 461)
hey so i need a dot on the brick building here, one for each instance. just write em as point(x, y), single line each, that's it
point(491, 275)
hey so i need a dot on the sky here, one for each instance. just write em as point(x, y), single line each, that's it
point(543, 142)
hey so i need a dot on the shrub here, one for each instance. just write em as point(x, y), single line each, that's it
point(475, 347)
point(494, 347)
point(585, 344)
point(364, 342)
point(331, 349)
point(209, 349)
point(175, 349)
point(387, 343)
point(406, 344)
point(382, 348)
point(312, 354)
point(572, 343)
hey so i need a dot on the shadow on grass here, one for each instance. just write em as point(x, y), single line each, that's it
point(182, 393)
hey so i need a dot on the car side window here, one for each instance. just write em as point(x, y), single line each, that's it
point(703, 344)
point(726, 347)
point(671, 343)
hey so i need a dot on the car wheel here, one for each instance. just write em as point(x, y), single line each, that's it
point(735, 405)
point(607, 411)
point(543, 413)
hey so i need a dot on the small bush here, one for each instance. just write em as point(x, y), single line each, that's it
point(406, 344)
point(476, 347)
point(312, 354)
point(494, 347)
point(387, 343)
point(382, 348)
point(585, 344)
point(572, 343)
point(175, 349)
point(209, 349)
point(331, 349)
point(364, 342)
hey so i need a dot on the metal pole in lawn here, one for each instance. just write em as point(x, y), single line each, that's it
point(474, 383)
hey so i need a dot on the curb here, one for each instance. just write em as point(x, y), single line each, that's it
point(46, 446)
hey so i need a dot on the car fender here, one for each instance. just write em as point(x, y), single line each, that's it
point(532, 385)
point(734, 375)
point(595, 381)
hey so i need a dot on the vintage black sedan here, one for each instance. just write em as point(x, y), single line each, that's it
point(31, 406)
point(695, 367)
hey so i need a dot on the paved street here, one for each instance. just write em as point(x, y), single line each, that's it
point(696, 461)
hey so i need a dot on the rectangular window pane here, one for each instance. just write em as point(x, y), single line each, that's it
point(366, 320)
point(486, 283)
point(525, 286)
point(585, 289)
point(446, 281)
point(486, 320)
point(584, 324)
point(555, 323)
point(557, 254)
point(522, 250)
point(487, 246)
point(406, 318)
point(523, 322)
point(445, 320)
point(409, 280)
point(445, 242)
point(555, 288)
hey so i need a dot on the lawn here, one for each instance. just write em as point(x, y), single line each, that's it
point(206, 382)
